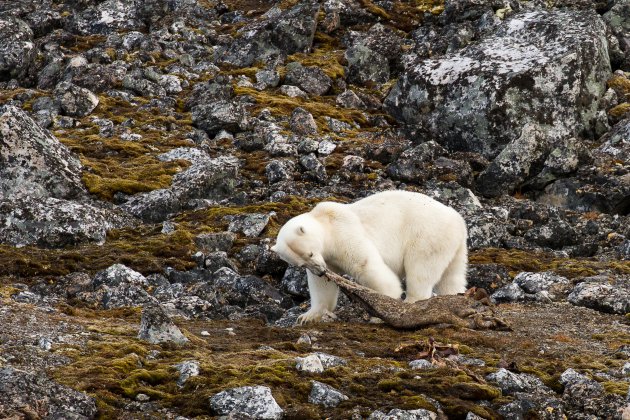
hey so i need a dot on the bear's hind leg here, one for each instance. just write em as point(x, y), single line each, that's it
point(453, 280)
point(422, 274)
point(324, 295)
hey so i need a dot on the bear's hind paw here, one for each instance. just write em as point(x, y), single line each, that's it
point(314, 316)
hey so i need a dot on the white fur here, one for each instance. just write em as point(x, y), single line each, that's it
point(378, 241)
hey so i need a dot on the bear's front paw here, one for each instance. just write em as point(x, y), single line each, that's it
point(313, 315)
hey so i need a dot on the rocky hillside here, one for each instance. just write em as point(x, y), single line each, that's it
point(150, 150)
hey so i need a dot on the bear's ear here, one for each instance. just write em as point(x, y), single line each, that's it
point(301, 231)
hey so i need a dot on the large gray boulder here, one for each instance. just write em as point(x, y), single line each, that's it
point(276, 33)
point(33, 162)
point(17, 49)
point(53, 222)
point(527, 88)
point(33, 395)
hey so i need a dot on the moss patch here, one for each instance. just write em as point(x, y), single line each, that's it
point(518, 260)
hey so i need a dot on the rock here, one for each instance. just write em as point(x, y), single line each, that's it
point(538, 282)
point(511, 383)
point(325, 395)
point(222, 115)
point(541, 405)
point(313, 168)
point(398, 414)
point(74, 100)
point(23, 393)
point(118, 286)
point(349, 99)
point(276, 33)
point(302, 122)
point(352, 163)
point(461, 10)
point(611, 298)
point(414, 164)
point(421, 364)
point(366, 67)
point(107, 17)
point(52, 222)
point(245, 290)
point(502, 75)
point(279, 170)
point(17, 49)
point(209, 179)
point(252, 401)
point(186, 370)
point(619, 22)
point(336, 125)
point(220, 241)
point(191, 154)
point(309, 364)
point(512, 166)
point(293, 92)
point(267, 78)
point(326, 147)
point(33, 162)
point(311, 79)
point(156, 327)
point(294, 281)
point(250, 225)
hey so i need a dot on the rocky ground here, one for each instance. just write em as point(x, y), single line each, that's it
point(151, 149)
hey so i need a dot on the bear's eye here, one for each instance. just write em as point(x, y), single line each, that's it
point(310, 255)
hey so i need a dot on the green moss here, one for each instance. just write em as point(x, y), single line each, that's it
point(518, 260)
point(619, 388)
point(475, 391)
point(620, 110)
point(327, 59)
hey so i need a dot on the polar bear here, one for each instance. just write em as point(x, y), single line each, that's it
point(378, 240)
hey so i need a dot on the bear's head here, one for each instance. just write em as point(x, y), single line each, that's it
point(300, 242)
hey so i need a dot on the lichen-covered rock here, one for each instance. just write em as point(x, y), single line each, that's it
point(23, 394)
point(276, 33)
point(398, 414)
point(606, 297)
point(618, 18)
point(311, 79)
point(255, 402)
point(209, 179)
point(511, 383)
point(366, 66)
point(542, 287)
point(52, 222)
point(250, 225)
point(33, 162)
point(302, 122)
point(528, 403)
point(325, 395)
point(107, 17)
point(294, 281)
point(17, 49)
point(221, 115)
point(74, 100)
point(156, 326)
point(187, 370)
point(279, 170)
point(314, 168)
point(534, 83)
point(245, 290)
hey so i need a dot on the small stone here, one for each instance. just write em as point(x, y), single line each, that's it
point(142, 397)
point(326, 147)
point(304, 339)
point(293, 92)
point(511, 383)
point(45, 343)
point(309, 364)
point(421, 364)
point(157, 327)
point(398, 414)
point(625, 369)
point(302, 122)
point(186, 370)
point(325, 395)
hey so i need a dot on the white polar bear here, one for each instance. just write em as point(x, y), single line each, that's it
point(378, 241)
